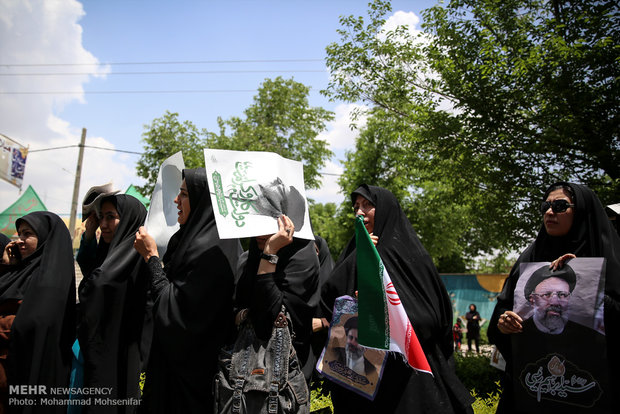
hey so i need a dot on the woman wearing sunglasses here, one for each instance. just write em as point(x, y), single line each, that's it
point(574, 225)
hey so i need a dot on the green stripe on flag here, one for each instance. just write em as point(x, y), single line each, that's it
point(373, 318)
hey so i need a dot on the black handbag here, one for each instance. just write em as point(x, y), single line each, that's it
point(261, 376)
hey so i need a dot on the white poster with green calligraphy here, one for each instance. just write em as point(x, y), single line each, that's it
point(251, 189)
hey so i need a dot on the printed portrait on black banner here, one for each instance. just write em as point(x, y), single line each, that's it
point(557, 357)
point(344, 360)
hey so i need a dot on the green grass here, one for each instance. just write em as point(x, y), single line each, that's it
point(473, 370)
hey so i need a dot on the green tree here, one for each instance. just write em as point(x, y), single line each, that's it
point(497, 99)
point(329, 223)
point(280, 120)
point(162, 138)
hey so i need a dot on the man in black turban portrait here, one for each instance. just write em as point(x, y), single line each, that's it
point(549, 293)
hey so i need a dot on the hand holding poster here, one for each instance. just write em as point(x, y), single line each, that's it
point(161, 221)
point(250, 190)
point(558, 359)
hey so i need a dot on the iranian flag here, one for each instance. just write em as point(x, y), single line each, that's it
point(382, 321)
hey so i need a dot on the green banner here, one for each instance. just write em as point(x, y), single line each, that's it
point(27, 203)
point(373, 324)
point(133, 191)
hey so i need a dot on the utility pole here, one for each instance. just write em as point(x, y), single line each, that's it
point(76, 186)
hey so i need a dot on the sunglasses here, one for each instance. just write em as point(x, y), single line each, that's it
point(557, 206)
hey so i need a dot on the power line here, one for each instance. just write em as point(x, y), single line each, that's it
point(190, 72)
point(180, 91)
point(85, 146)
point(125, 151)
point(189, 62)
point(146, 92)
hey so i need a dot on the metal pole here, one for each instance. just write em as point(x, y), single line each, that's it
point(76, 186)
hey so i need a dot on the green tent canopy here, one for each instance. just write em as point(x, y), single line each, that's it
point(28, 202)
point(132, 191)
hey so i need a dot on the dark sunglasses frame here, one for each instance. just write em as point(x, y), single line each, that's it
point(557, 206)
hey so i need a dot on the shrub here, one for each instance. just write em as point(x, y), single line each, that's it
point(476, 373)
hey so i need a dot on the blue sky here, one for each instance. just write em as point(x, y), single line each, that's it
point(250, 40)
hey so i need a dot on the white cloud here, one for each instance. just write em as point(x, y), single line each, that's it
point(340, 135)
point(401, 18)
point(47, 32)
point(330, 190)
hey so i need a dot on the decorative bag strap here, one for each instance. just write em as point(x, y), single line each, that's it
point(280, 324)
point(241, 374)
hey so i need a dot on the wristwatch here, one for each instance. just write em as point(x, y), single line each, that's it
point(271, 258)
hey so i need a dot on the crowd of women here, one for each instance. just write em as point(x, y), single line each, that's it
point(165, 319)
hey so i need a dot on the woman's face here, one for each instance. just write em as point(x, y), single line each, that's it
point(182, 202)
point(108, 221)
point(558, 224)
point(365, 208)
point(27, 241)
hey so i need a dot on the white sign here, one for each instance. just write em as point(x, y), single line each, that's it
point(12, 161)
point(250, 190)
point(161, 221)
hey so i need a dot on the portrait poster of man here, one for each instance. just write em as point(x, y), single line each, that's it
point(557, 361)
point(251, 189)
point(344, 360)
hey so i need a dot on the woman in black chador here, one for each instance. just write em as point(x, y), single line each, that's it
point(263, 286)
point(37, 307)
point(193, 313)
point(114, 329)
point(426, 302)
point(574, 225)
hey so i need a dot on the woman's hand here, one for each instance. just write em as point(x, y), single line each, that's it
point(145, 244)
point(282, 238)
point(92, 223)
point(11, 255)
point(318, 324)
point(375, 239)
point(509, 323)
point(559, 262)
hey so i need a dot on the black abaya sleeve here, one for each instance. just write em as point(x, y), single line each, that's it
point(505, 302)
point(87, 255)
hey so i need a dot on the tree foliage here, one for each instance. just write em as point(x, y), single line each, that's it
point(280, 120)
point(471, 120)
point(162, 138)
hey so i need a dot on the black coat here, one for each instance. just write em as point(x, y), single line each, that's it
point(427, 305)
point(591, 235)
point(44, 327)
point(193, 313)
point(115, 322)
point(294, 284)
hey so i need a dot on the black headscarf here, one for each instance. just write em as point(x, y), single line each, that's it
point(294, 284)
point(113, 308)
point(193, 315)
point(4, 240)
point(44, 327)
point(325, 259)
point(591, 235)
point(317, 340)
point(426, 303)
